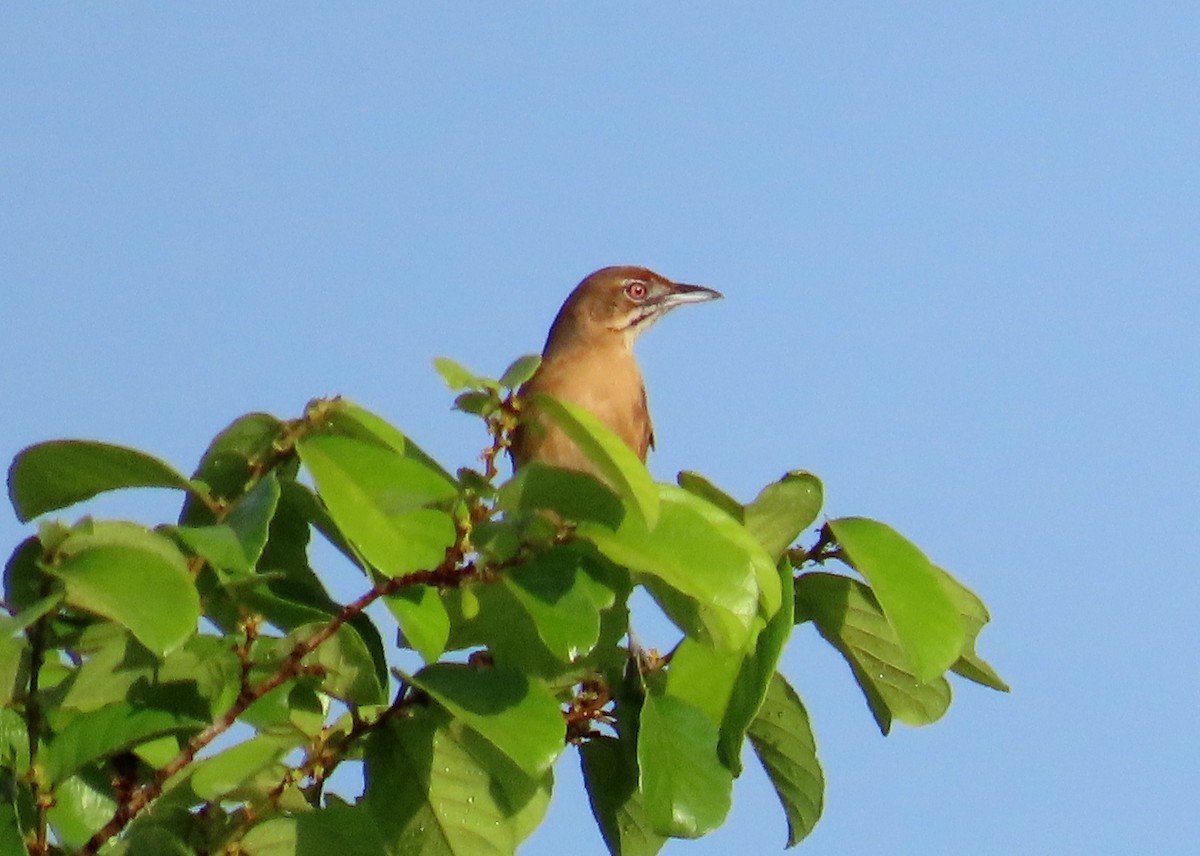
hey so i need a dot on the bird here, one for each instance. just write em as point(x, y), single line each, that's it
point(588, 360)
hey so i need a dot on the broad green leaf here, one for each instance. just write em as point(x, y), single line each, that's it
point(610, 774)
point(216, 544)
point(784, 743)
point(516, 713)
point(687, 791)
point(82, 804)
point(616, 463)
point(377, 498)
point(784, 509)
point(155, 841)
point(345, 830)
point(490, 616)
point(723, 577)
point(107, 731)
point(455, 374)
point(909, 590)
point(275, 837)
point(250, 519)
point(434, 787)
point(343, 417)
point(974, 615)
point(849, 617)
point(232, 460)
point(12, 840)
point(59, 473)
point(558, 595)
point(521, 370)
point(135, 577)
point(423, 620)
point(221, 774)
point(476, 403)
point(757, 672)
point(697, 484)
point(348, 671)
point(572, 495)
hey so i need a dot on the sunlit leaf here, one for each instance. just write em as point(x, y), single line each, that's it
point(975, 615)
point(687, 790)
point(516, 713)
point(520, 370)
point(784, 509)
point(697, 484)
point(378, 498)
point(422, 618)
point(849, 617)
point(433, 787)
point(909, 590)
point(59, 473)
point(616, 463)
point(231, 461)
point(104, 732)
point(725, 578)
point(135, 577)
point(456, 375)
point(572, 495)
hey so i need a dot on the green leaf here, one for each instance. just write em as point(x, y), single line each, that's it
point(156, 841)
point(616, 463)
point(423, 620)
point(784, 509)
point(347, 668)
point(573, 495)
point(974, 615)
point(275, 837)
point(133, 576)
point(686, 788)
point(561, 599)
point(849, 617)
point(784, 743)
point(722, 577)
point(82, 804)
point(610, 774)
point(347, 419)
point(697, 484)
point(24, 582)
point(107, 731)
point(456, 375)
point(477, 403)
point(516, 713)
point(236, 543)
point(377, 498)
point(434, 787)
point(59, 473)
point(221, 774)
point(729, 686)
point(12, 840)
point(232, 460)
point(909, 590)
point(521, 370)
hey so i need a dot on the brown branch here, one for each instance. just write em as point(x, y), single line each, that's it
point(447, 573)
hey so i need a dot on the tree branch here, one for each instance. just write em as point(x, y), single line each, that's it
point(447, 573)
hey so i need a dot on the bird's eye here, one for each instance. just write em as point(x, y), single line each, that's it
point(636, 291)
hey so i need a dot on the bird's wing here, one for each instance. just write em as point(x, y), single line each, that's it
point(647, 442)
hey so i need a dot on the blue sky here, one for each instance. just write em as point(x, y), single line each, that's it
point(958, 244)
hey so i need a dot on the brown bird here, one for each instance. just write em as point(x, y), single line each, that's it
point(588, 360)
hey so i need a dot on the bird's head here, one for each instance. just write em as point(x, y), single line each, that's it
point(622, 301)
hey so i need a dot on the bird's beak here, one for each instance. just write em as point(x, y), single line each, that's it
point(679, 293)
